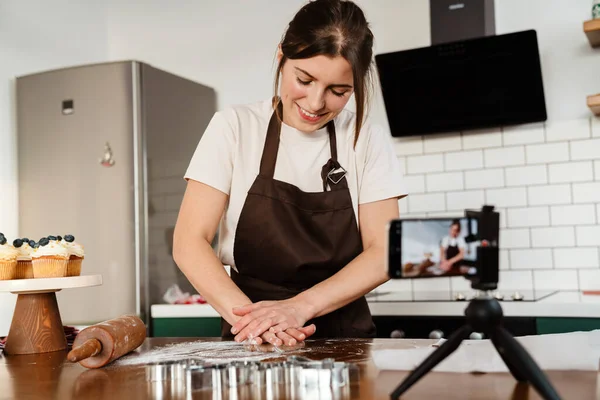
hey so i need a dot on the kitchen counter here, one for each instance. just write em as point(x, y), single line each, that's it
point(548, 304)
point(47, 376)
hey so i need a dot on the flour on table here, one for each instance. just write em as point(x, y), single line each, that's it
point(210, 352)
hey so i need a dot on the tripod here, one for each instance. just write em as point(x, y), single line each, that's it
point(484, 314)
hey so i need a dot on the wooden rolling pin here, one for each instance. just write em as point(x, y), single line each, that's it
point(101, 344)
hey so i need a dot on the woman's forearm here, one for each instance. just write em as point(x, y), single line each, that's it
point(205, 272)
point(360, 276)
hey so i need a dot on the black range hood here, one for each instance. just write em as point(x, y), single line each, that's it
point(470, 84)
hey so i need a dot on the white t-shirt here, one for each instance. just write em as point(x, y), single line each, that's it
point(228, 159)
point(457, 241)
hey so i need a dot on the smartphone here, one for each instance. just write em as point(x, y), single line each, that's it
point(432, 247)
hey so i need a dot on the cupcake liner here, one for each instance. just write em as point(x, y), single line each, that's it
point(49, 267)
point(7, 269)
point(74, 266)
point(24, 269)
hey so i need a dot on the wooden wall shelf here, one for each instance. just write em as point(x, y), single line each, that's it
point(593, 103)
point(592, 30)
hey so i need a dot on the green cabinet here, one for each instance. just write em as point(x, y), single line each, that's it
point(211, 326)
point(565, 325)
point(186, 327)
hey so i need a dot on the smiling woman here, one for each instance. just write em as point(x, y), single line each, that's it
point(302, 190)
point(325, 56)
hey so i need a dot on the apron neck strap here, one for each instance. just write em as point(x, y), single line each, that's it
point(330, 173)
point(269, 155)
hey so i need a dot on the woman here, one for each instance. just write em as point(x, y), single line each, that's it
point(291, 180)
point(452, 249)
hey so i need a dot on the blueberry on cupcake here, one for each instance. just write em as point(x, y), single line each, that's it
point(76, 255)
point(24, 265)
point(8, 259)
point(49, 259)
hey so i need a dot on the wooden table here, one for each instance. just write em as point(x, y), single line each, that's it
point(50, 376)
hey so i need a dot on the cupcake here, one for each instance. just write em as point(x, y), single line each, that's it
point(8, 259)
point(76, 255)
point(49, 259)
point(24, 266)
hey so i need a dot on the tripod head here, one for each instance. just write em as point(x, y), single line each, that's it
point(484, 228)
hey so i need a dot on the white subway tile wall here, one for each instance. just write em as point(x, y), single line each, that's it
point(519, 280)
point(547, 153)
point(504, 259)
point(586, 192)
point(553, 237)
point(415, 183)
point(578, 257)
point(522, 176)
point(482, 138)
point(531, 259)
point(595, 126)
point(549, 194)
point(514, 239)
point(584, 214)
point(555, 279)
point(463, 160)
point(408, 146)
point(442, 143)
point(445, 182)
point(528, 217)
point(431, 284)
point(466, 199)
point(486, 178)
point(426, 163)
point(402, 161)
point(545, 181)
point(426, 202)
point(588, 279)
point(588, 235)
point(585, 149)
point(567, 130)
point(523, 134)
point(510, 197)
point(503, 157)
point(571, 172)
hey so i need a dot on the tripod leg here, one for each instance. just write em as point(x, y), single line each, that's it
point(434, 359)
point(522, 361)
point(515, 372)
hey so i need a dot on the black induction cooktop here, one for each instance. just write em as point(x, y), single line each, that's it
point(456, 296)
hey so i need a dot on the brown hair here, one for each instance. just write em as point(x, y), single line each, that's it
point(333, 28)
point(457, 223)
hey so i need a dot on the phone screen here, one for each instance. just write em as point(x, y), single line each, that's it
point(427, 248)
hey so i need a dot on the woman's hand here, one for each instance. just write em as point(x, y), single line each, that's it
point(445, 265)
point(277, 317)
point(290, 337)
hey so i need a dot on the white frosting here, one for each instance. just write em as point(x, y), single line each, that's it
point(8, 252)
point(51, 249)
point(24, 252)
point(74, 248)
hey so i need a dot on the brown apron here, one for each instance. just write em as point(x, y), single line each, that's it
point(288, 240)
point(452, 251)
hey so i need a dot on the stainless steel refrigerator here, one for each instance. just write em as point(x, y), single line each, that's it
point(102, 150)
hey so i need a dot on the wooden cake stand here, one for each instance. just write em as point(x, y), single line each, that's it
point(36, 326)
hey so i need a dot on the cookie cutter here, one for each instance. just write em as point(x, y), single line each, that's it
point(207, 376)
point(170, 370)
point(295, 377)
point(269, 374)
point(240, 373)
point(166, 379)
point(325, 373)
point(165, 371)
